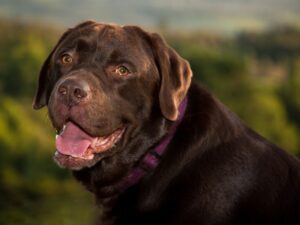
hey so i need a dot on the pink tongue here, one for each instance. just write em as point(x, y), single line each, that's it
point(73, 141)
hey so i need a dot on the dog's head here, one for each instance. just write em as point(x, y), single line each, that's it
point(102, 84)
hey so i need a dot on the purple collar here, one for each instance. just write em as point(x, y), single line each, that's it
point(151, 160)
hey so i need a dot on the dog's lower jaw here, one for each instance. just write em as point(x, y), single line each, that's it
point(106, 183)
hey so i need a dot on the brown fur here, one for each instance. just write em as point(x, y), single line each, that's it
point(216, 171)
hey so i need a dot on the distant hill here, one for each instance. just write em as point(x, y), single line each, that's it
point(215, 15)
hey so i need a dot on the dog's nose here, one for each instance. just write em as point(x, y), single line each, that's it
point(73, 91)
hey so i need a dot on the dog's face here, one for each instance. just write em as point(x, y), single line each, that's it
point(102, 84)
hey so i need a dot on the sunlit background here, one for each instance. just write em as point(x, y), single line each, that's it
point(246, 52)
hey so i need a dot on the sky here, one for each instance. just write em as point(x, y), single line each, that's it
point(216, 15)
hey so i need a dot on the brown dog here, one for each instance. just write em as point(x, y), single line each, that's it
point(153, 147)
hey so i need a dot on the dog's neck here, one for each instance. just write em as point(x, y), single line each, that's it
point(152, 158)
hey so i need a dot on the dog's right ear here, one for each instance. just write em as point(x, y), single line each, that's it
point(41, 98)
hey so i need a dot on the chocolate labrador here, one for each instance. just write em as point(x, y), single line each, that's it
point(153, 146)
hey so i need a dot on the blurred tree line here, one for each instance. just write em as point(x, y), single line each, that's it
point(256, 74)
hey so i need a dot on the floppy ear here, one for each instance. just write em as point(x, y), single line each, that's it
point(175, 75)
point(40, 99)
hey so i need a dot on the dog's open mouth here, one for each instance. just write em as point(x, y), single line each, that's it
point(74, 142)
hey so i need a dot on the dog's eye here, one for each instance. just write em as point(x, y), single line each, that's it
point(122, 71)
point(66, 59)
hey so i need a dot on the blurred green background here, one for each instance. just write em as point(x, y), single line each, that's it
point(246, 53)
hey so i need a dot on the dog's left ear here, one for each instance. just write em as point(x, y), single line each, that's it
point(175, 75)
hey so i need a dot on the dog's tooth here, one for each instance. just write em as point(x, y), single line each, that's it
point(89, 157)
point(94, 142)
point(102, 141)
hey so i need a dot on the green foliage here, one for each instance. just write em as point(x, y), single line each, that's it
point(238, 71)
point(23, 49)
point(290, 91)
point(278, 43)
